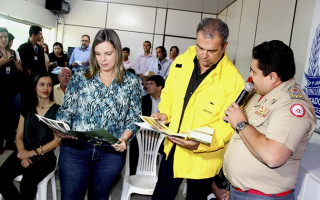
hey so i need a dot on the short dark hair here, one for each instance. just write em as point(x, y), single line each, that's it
point(4, 30)
point(60, 45)
point(157, 79)
point(34, 29)
point(175, 48)
point(34, 98)
point(147, 42)
point(131, 71)
point(163, 50)
point(211, 28)
point(85, 35)
point(10, 37)
point(275, 56)
point(126, 49)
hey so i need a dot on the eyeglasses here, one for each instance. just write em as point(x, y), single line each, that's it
point(67, 75)
point(85, 41)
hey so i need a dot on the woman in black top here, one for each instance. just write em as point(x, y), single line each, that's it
point(35, 143)
point(57, 58)
point(10, 88)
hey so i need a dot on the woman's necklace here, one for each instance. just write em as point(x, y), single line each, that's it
point(46, 106)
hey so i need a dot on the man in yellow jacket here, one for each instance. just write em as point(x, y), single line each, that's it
point(201, 84)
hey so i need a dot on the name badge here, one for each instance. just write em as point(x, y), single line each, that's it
point(8, 70)
point(35, 57)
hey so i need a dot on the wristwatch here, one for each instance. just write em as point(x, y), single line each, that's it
point(240, 126)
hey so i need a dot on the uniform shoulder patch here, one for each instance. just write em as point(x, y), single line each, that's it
point(297, 110)
point(295, 92)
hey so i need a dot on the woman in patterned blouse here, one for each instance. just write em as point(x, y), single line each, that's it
point(101, 96)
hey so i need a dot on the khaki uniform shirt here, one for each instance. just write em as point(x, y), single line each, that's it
point(285, 115)
point(58, 94)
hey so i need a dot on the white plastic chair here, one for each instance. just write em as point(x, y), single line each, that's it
point(145, 179)
point(42, 186)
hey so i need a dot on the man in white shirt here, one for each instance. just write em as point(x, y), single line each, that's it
point(64, 77)
point(125, 55)
point(161, 65)
point(144, 60)
point(174, 52)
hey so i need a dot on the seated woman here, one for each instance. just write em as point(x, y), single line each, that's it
point(57, 58)
point(35, 143)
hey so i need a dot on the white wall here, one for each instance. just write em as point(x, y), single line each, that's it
point(265, 20)
point(134, 25)
point(29, 11)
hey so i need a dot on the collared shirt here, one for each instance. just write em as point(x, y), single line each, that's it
point(142, 63)
point(58, 94)
point(160, 68)
point(282, 118)
point(128, 64)
point(155, 103)
point(89, 104)
point(195, 80)
point(80, 55)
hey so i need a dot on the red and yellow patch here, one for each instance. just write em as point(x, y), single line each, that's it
point(297, 110)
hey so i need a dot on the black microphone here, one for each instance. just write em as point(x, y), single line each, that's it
point(243, 95)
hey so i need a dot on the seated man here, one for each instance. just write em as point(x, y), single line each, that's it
point(59, 89)
point(150, 103)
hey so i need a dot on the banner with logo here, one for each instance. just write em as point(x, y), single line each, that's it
point(311, 77)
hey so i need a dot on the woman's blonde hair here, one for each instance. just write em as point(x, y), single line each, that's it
point(106, 35)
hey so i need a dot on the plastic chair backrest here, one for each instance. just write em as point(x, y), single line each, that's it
point(149, 143)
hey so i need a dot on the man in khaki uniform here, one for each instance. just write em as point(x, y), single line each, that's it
point(264, 154)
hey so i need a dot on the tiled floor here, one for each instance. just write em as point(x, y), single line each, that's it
point(116, 193)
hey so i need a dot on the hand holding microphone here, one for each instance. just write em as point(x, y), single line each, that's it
point(243, 95)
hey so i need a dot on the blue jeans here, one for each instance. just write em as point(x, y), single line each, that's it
point(237, 195)
point(83, 165)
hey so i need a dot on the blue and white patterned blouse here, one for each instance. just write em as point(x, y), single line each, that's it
point(89, 104)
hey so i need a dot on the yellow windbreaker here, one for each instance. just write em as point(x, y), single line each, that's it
point(206, 107)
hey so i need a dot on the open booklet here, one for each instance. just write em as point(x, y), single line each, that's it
point(203, 134)
point(100, 134)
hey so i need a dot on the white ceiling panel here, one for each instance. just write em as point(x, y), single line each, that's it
point(205, 6)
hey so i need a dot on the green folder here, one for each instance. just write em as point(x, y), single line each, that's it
point(100, 135)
